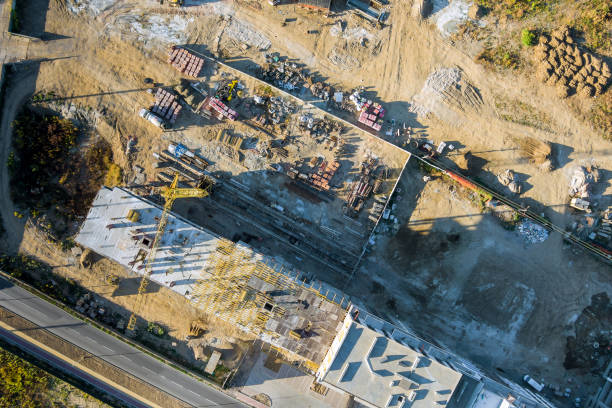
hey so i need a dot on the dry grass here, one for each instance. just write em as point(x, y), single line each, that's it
point(536, 150)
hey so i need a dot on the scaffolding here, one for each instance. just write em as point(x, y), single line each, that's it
point(268, 301)
point(226, 293)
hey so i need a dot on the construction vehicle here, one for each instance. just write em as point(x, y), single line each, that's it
point(112, 279)
point(170, 194)
point(196, 329)
point(224, 93)
point(176, 3)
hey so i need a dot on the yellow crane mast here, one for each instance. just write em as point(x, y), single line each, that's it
point(170, 194)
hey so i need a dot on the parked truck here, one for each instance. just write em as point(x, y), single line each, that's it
point(533, 383)
point(153, 118)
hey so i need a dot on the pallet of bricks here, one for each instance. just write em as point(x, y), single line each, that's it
point(323, 176)
point(370, 115)
point(166, 105)
point(185, 62)
point(220, 109)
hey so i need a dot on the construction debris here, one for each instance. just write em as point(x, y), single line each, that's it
point(564, 65)
point(538, 151)
point(580, 183)
point(185, 62)
point(284, 75)
point(361, 189)
point(532, 232)
point(509, 179)
point(192, 94)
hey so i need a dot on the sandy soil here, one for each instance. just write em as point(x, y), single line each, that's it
point(473, 293)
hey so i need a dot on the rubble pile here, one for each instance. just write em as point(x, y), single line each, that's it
point(185, 62)
point(509, 179)
point(590, 345)
point(284, 75)
point(317, 126)
point(581, 181)
point(532, 232)
point(562, 64)
point(447, 85)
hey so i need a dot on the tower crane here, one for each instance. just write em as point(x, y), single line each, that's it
point(170, 194)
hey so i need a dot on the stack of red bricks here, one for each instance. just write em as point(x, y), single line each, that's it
point(166, 105)
point(371, 115)
point(220, 109)
point(325, 173)
point(185, 62)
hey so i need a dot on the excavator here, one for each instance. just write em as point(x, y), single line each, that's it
point(176, 3)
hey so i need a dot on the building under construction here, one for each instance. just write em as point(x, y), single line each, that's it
point(228, 280)
point(381, 365)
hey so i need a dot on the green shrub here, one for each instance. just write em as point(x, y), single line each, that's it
point(527, 37)
point(156, 329)
point(22, 384)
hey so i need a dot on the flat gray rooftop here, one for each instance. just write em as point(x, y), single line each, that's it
point(183, 251)
point(385, 373)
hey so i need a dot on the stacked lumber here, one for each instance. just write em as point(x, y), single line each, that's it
point(185, 62)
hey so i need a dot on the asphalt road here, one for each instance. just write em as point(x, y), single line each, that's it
point(116, 352)
point(68, 368)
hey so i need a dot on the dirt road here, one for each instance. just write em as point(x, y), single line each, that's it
point(20, 87)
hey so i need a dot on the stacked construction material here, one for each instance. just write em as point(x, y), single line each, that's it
point(361, 189)
point(219, 109)
point(323, 176)
point(185, 62)
point(371, 115)
point(166, 105)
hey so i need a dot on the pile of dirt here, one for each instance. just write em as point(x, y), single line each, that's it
point(561, 63)
point(449, 86)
